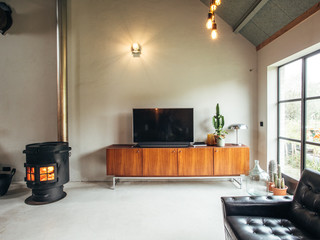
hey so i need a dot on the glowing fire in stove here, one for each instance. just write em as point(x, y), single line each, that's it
point(30, 173)
point(46, 173)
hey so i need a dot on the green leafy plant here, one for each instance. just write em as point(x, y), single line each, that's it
point(218, 123)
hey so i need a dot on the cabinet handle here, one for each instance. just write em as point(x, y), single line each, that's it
point(174, 151)
point(180, 151)
point(138, 151)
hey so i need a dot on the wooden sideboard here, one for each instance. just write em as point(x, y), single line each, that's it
point(129, 161)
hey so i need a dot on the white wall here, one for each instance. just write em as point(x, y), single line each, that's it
point(27, 81)
point(299, 41)
point(180, 66)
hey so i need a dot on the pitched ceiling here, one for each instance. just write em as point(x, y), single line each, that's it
point(258, 20)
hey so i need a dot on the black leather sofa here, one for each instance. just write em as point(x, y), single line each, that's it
point(276, 217)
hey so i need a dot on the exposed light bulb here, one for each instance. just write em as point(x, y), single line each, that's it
point(217, 2)
point(209, 21)
point(209, 24)
point(213, 7)
point(214, 34)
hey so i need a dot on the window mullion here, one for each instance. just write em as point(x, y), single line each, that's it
point(278, 117)
point(303, 115)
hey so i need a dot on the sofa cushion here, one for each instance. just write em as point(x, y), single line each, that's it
point(249, 228)
point(305, 208)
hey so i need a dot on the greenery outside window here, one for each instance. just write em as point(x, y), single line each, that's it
point(299, 115)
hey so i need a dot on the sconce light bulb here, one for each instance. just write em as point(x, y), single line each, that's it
point(135, 47)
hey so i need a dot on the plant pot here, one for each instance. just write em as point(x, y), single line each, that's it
point(5, 181)
point(270, 186)
point(220, 142)
point(279, 191)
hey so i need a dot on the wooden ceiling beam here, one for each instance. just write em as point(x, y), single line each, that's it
point(290, 25)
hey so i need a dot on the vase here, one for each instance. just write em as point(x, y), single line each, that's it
point(5, 181)
point(257, 183)
point(211, 139)
point(221, 142)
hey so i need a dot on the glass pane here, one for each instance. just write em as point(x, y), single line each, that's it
point(290, 120)
point(289, 153)
point(313, 76)
point(50, 176)
point(43, 170)
point(50, 169)
point(290, 80)
point(313, 120)
point(313, 157)
point(43, 177)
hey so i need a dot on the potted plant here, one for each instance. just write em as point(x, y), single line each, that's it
point(279, 188)
point(218, 123)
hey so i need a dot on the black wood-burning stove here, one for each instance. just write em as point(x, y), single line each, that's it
point(47, 169)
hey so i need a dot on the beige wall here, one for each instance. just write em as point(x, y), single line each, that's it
point(180, 66)
point(299, 41)
point(27, 81)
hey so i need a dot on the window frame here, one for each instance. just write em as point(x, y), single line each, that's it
point(291, 182)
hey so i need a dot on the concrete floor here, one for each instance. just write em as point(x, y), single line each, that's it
point(135, 210)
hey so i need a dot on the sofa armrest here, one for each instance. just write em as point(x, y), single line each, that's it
point(267, 206)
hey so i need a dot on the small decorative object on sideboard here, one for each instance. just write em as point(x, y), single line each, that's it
point(279, 187)
point(218, 123)
point(211, 140)
point(237, 127)
point(257, 181)
point(5, 179)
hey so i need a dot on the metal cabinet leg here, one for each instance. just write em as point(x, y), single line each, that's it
point(239, 181)
point(113, 183)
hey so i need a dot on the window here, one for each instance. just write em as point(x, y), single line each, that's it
point(299, 115)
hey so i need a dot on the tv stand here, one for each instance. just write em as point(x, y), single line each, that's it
point(128, 161)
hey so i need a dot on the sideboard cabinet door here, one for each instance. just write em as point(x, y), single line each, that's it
point(124, 162)
point(231, 161)
point(195, 161)
point(160, 162)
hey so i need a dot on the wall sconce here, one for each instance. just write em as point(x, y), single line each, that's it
point(136, 49)
point(237, 127)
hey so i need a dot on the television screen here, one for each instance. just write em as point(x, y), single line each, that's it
point(163, 125)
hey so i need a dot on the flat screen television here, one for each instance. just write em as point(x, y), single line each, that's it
point(163, 127)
